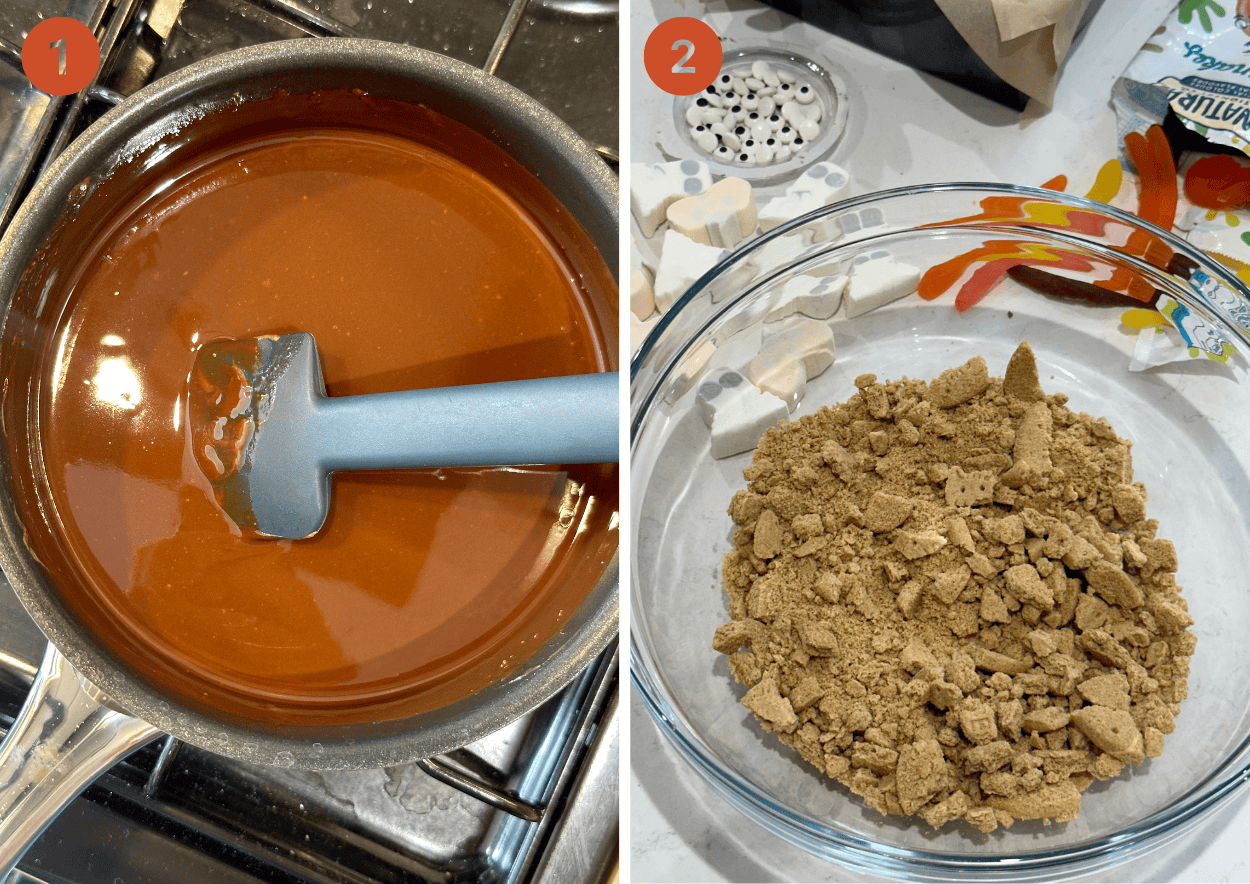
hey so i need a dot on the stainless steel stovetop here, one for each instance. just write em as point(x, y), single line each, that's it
point(534, 802)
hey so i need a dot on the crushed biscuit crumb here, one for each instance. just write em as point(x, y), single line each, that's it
point(948, 597)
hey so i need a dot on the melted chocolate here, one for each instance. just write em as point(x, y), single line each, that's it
point(418, 255)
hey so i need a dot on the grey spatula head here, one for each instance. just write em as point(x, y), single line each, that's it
point(267, 436)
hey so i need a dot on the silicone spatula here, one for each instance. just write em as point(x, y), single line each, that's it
point(268, 437)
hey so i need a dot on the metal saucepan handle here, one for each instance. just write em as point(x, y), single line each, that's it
point(64, 737)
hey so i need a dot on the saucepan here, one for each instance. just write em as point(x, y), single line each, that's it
point(89, 705)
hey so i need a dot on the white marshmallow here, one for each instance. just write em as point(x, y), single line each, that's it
point(877, 282)
point(639, 329)
point(739, 424)
point(817, 298)
point(808, 342)
point(802, 349)
point(682, 261)
point(642, 256)
point(653, 188)
point(723, 216)
point(827, 180)
point(787, 207)
point(717, 388)
point(821, 185)
point(787, 381)
point(641, 295)
point(777, 253)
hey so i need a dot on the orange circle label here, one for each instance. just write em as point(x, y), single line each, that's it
point(682, 56)
point(60, 56)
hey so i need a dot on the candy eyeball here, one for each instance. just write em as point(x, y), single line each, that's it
point(755, 114)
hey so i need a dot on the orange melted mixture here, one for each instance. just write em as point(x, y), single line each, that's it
point(411, 270)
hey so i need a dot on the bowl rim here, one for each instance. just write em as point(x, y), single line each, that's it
point(860, 854)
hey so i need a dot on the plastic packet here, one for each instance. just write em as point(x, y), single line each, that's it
point(1197, 64)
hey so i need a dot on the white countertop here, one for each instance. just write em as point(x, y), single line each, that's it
point(904, 128)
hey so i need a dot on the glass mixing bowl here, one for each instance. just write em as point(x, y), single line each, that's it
point(1187, 419)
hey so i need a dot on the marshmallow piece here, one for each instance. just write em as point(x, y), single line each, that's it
point(639, 329)
point(787, 381)
point(781, 209)
point(777, 253)
point(653, 188)
point(718, 387)
point(642, 257)
point(739, 424)
point(877, 282)
point(817, 298)
point(682, 261)
point(826, 179)
point(641, 295)
point(808, 342)
point(800, 350)
point(722, 217)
